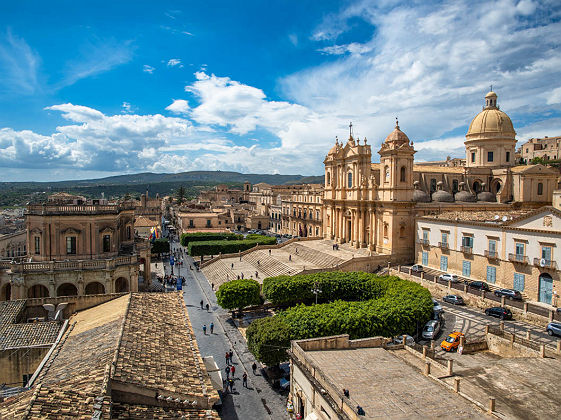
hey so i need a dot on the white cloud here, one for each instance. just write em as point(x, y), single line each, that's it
point(173, 62)
point(19, 66)
point(179, 106)
point(148, 69)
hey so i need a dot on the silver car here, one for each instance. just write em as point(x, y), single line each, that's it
point(431, 330)
point(451, 277)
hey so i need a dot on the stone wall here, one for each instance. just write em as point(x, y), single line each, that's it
point(34, 307)
point(509, 348)
point(16, 363)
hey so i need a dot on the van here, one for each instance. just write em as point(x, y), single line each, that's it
point(431, 330)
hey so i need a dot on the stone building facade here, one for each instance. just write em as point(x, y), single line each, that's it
point(77, 248)
point(375, 205)
point(547, 148)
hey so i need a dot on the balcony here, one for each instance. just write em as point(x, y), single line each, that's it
point(518, 258)
point(466, 249)
point(443, 245)
point(424, 242)
point(492, 255)
point(544, 263)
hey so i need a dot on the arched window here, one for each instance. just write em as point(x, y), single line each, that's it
point(432, 185)
point(387, 173)
point(328, 178)
point(385, 230)
point(454, 185)
point(402, 174)
point(540, 188)
point(350, 180)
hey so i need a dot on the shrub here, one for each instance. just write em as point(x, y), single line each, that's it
point(238, 294)
point(379, 306)
point(226, 247)
point(160, 246)
point(186, 238)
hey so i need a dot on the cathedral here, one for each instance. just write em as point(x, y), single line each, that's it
point(374, 205)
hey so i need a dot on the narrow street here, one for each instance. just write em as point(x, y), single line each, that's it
point(259, 400)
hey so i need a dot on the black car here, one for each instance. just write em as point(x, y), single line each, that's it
point(498, 312)
point(453, 299)
point(478, 285)
point(509, 293)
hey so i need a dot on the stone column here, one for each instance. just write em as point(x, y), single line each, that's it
point(360, 228)
point(147, 270)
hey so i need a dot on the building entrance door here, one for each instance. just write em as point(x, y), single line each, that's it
point(546, 288)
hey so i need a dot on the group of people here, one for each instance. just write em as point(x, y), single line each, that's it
point(169, 280)
point(230, 370)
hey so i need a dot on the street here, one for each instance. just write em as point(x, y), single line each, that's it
point(259, 400)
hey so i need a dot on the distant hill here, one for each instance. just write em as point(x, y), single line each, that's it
point(18, 193)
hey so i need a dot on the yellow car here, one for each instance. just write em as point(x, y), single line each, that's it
point(451, 342)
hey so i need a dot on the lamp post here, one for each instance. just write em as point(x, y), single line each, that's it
point(316, 290)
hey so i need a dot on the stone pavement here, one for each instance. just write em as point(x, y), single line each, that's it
point(257, 402)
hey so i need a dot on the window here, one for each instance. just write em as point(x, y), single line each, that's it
point(425, 258)
point(518, 282)
point(491, 274)
point(519, 246)
point(350, 180)
point(467, 241)
point(425, 236)
point(192, 224)
point(208, 223)
point(526, 150)
point(489, 156)
point(71, 245)
point(466, 268)
point(444, 238)
point(128, 232)
point(402, 174)
point(540, 188)
point(492, 247)
point(106, 243)
point(472, 157)
point(317, 214)
point(37, 245)
point(443, 263)
point(546, 254)
point(508, 156)
point(328, 177)
point(455, 185)
point(432, 185)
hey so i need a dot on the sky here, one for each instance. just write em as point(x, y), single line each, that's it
point(94, 89)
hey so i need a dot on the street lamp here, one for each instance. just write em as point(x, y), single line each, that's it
point(316, 290)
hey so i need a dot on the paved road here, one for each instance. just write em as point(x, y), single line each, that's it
point(259, 400)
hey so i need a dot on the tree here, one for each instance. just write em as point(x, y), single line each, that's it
point(268, 339)
point(160, 246)
point(180, 194)
point(237, 294)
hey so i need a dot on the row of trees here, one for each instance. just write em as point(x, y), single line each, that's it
point(356, 303)
point(186, 238)
point(226, 246)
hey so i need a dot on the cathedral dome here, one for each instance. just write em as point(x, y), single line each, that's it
point(419, 195)
point(491, 122)
point(397, 136)
point(441, 195)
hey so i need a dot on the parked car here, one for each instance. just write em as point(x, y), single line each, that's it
point(453, 299)
point(417, 268)
point(478, 285)
point(437, 308)
point(449, 277)
point(554, 328)
point(451, 342)
point(431, 330)
point(509, 293)
point(399, 340)
point(498, 312)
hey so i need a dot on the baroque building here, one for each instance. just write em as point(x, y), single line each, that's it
point(374, 205)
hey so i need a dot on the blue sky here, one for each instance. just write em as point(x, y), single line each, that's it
point(122, 87)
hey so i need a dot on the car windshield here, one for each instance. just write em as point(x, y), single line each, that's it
point(449, 339)
point(428, 328)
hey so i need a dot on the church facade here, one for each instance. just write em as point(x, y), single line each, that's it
point(374, 205)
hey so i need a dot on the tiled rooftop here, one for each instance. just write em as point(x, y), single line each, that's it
point(142, 334)
point(11, 311)
point(25, 335)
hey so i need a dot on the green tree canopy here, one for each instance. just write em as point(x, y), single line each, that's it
point(160, 246)
point(237, 294)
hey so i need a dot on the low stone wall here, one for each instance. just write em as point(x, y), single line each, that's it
point(475, 346)
point(509, 348)
point(439, 290)
point(18, 362)
point(75, 303)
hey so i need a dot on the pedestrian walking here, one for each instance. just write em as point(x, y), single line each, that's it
point(256, 274)
point(231, 384)
point(212, 284)
point(212, 327)
point(269, 252)
point(254, 367)
point(242, 276)
point(233, 370)
point(202, 304)
point(244, 379)
point(231, 355)
point(290, 257)
point(227, 370)
point(227, 358)
point(232, 266)
point(207, 307)
point(204, 329)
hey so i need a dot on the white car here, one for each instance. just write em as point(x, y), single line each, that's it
point(437, 308)
point(452, 277)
